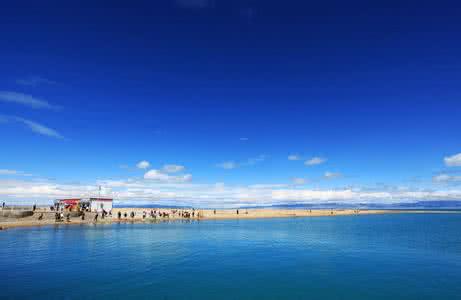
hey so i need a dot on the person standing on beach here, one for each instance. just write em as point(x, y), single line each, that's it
point(237, 211)
point(3, 205)
point(119, 215)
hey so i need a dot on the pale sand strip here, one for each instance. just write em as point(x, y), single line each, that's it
point(206, 214)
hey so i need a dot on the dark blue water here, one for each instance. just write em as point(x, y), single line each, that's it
point(351, 257)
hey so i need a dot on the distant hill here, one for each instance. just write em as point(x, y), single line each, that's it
point(444, 204)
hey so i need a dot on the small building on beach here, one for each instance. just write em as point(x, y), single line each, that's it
point(87, 204)
point(70, 204)
point(100, 204)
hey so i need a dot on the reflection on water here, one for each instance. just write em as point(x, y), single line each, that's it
point(349, 257)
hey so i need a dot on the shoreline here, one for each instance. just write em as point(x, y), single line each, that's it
point(204, 215)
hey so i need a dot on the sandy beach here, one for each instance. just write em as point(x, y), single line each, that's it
point(205, 214)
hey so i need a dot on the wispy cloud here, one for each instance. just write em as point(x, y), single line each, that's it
point(13, 172)
point(299, 181)
point(315, 161)
point(160, 176)
point(173, 168)
point(332, 175)
point(446, 178)
point(294, 157)
point(8, 172)
point(227, 165)
point(27, 100)
point(244, 139)
point(254, 160)
point(143, 164)
point(34, 81)
point(39, 128)
point(453, 161)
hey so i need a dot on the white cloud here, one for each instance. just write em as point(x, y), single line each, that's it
point(244, 139)
point(227, 165)
point(34, 81)
point(158, 176)
point(24, 99)
point(185, 178)
point(294, 157)
point(180, 191)
point(453, 161)
point(143, 164)
point(363, 196)
point(331, 175)
point(39, 128)
point(173, 168)
point(446, 178)
point(315, 161)
point(267, 186)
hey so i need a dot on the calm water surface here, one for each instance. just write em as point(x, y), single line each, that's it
point(350, 257)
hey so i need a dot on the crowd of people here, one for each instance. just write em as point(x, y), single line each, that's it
point(58, 216)
point(162, 214)
point(61, 215)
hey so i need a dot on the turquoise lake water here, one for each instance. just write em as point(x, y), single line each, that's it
point(405, 256)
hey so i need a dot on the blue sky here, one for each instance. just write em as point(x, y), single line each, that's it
point(227, 91)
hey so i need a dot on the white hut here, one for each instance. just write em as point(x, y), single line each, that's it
point(100, 204)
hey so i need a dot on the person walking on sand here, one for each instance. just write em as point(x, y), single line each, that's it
point(3, 205)
point(237, 211)
point(119, 214)
point(96, 217)
point(83, 216)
